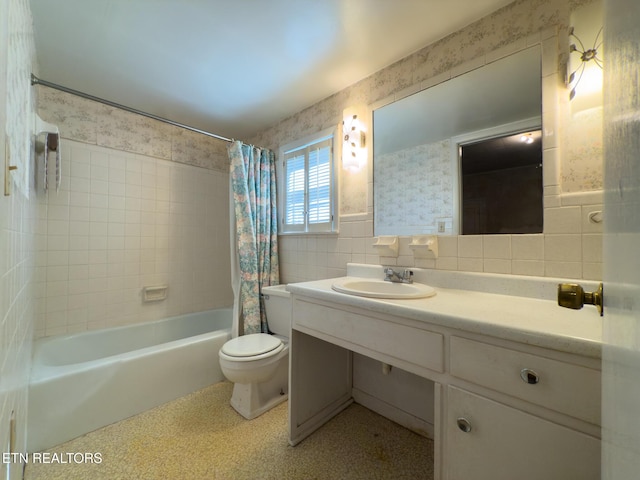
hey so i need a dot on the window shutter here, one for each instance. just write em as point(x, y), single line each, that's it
point(320, 183)
point(294, 213)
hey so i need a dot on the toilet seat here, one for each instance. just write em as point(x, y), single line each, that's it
point(252, 347)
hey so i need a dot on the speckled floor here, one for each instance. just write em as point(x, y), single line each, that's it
point(201, 437)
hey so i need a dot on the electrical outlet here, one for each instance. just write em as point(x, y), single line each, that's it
point(440, 227)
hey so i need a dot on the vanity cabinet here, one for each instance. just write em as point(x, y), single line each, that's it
point(506, 407)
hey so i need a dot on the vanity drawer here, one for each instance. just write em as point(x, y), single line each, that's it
point(563, 387)
point(408, 344)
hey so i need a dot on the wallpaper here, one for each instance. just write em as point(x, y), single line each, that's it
point(20, 61)
point(90, 122)
point(582, 167)
point(426, 196)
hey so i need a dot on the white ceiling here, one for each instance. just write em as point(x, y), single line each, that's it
point(233, 67)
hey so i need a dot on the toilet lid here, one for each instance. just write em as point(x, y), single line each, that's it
point(251, 345)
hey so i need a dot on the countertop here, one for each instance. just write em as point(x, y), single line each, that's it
point(533, 321)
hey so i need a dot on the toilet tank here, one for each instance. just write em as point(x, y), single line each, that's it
point(277, 301)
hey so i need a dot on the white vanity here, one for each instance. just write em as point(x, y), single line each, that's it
point(516, 378)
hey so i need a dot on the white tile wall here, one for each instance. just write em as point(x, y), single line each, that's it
point(575, 254)
point(17, 224)
point(122, 221)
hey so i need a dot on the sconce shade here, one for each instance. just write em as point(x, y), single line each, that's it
point(587, 55)
point(353, 143)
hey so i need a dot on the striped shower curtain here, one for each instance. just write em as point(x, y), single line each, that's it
point(254, 234)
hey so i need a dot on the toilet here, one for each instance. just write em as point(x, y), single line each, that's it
point(258, 363)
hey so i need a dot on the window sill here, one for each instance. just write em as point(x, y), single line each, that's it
point(286, 234)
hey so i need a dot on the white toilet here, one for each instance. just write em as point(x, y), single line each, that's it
point(258, 363)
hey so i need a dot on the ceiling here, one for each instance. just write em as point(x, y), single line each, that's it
point(233, 67)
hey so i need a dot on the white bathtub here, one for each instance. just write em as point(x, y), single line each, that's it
point(84, 381)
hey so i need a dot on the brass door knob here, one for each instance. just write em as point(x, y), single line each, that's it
point(572, 295)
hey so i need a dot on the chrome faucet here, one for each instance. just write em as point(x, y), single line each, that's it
point(390, 275)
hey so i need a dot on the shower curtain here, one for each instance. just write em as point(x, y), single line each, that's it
point(254, 234)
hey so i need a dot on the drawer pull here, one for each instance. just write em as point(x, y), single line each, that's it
point(464, 425)
point(529, 376)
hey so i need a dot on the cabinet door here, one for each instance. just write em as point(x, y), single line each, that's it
point(486, 440)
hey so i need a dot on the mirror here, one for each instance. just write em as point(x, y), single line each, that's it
point(416, 141)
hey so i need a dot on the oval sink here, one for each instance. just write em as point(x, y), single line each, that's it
point(380, 289)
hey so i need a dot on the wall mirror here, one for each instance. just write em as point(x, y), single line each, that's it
point(418, 140)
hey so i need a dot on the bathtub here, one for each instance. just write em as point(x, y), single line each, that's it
point(81, 382)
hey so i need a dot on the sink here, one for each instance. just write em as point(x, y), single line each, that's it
point(364, 287)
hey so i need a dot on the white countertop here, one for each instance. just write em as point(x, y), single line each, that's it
point(533, 321)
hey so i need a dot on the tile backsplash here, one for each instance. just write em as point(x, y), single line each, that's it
point(571, 249)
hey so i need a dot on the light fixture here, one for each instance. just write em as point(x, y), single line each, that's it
point(526, 138)
point(588, 60)
point(352, 144)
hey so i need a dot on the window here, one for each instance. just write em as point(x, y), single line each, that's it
point(307, 186)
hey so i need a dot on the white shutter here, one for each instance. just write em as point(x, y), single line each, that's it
point(319, 189)
point(294, 206)
point(308, 187)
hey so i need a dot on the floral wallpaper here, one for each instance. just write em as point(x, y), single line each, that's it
point(90, 122)
point(582, 167)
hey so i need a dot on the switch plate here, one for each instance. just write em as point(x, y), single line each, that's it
point(441, 227)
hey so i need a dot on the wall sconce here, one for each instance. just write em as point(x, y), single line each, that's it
point(589, 60)
point(353, 151)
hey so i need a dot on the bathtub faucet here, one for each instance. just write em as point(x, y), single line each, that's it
point(390, 275)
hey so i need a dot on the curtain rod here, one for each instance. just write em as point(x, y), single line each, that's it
point(36, 81)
